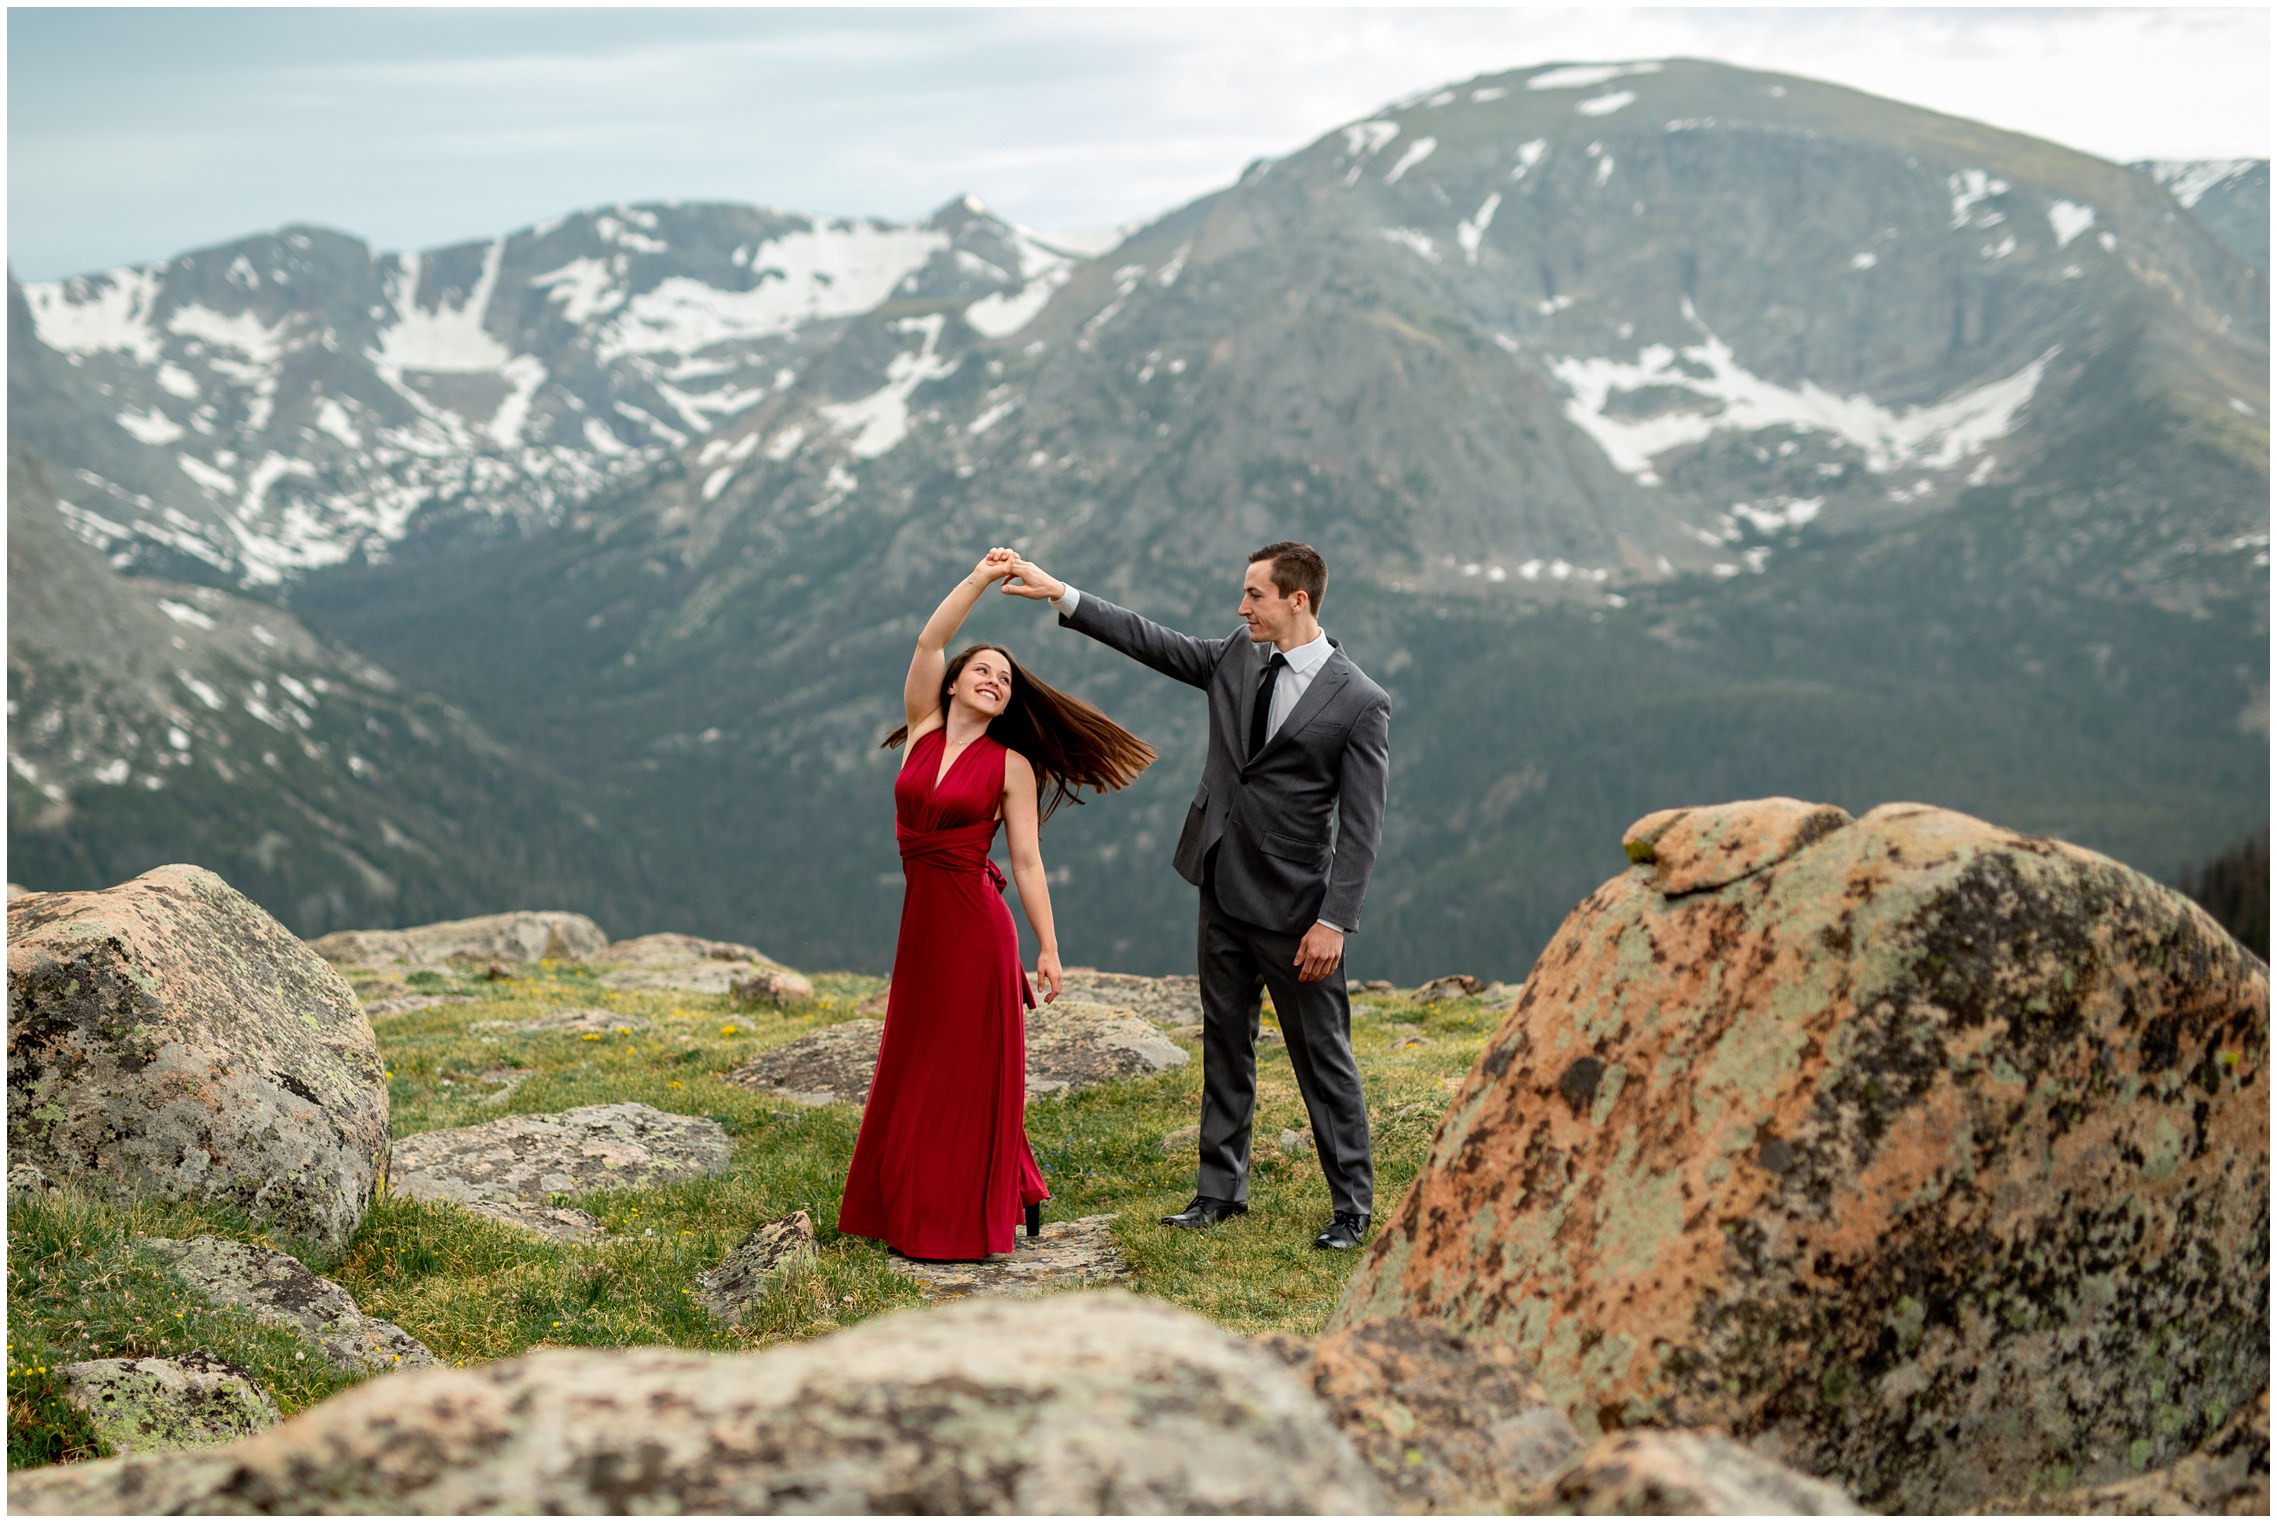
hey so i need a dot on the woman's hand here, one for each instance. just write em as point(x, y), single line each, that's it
point(995, 565)
point(1048, 974)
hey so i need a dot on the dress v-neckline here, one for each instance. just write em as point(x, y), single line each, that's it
point(941, 771)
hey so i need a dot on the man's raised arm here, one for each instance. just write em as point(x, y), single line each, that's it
point(1166, 650)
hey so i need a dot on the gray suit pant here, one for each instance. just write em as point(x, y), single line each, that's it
point(1238, 960)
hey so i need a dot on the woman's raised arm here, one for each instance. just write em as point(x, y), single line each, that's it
point(921, 690)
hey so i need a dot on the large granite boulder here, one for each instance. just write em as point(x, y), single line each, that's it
point(1927, 1157)
point(514, 938)
point(1450, 1424)
point(670, 962)
point(167, 1038)
point(279, 1290)
point(1091, 1403)
point(2229, 1475)
point(510, 1169)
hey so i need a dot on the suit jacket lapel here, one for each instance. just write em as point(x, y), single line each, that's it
point(1246, 702)
point(1333, 674)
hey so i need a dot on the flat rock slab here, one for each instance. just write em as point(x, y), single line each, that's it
point(168, 1039)
point(1064, 1255)
point(404, 1004)
point(194, 1400)
point(769, 1251)
point(686, 977)
point(1094, 1403)
point(510, 1169)
point(519, 936)
point(832, 1066)
point(279, 1290)
point(1174, 1000)
point(576, 1020)
point(672, 947)
point(1071, 1047)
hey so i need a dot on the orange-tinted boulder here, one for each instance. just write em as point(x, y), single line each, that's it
point(1930, 1158)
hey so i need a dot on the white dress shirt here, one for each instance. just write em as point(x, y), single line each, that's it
point(1305, 662)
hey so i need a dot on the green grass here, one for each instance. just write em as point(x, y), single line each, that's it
point(475, 1290)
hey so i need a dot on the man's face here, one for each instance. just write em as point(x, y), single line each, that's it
point(1270, 616)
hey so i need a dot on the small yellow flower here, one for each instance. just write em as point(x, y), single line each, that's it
point(591, 1036)
point(675, 1084)
point(727, 1031)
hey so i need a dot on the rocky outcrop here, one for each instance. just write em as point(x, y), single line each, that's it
point(767, 1252)
point(1064, 1255)
point(279, 1290)
point(1654, 1472)
point(1072, 1046)
point(771, 986)
point(1093, 1403)
point(670, 962)
point(2229, 1475)
point(1453, 986)
point(574, 1020)
point(1450, 1424)
point(511, 1169)
point(832, 1066)
point(520, 936)
point(664, 947)
point(167, 1038)
point(193, 1400)
point(1930, 1158)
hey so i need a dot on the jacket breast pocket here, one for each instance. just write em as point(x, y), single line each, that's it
point(1277, 843)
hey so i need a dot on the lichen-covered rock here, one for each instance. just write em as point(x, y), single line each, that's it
point(1451, 986)
point(772, 986)
point(832, 1066)
point(571, 1020)
point(1450, 1424)
point(193, 1400)
point(1064, 1255)
point(1652, 1472)
point(767, 1252)
point(1694, 849)
point(1074, 1045)
point(279, 1290)
point(167, 1038)
point(2229, 1475)
point(1094, 1403)
point(510, 1169)
point(1931, 1158)
point(514, 938)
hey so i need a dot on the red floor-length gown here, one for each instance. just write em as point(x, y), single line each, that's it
point(942, 1168)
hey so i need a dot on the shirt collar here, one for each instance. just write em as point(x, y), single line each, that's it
point(1307, 658)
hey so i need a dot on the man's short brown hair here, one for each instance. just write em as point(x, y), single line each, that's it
point(1296, 566)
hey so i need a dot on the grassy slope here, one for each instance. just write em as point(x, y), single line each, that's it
point(472, 1290)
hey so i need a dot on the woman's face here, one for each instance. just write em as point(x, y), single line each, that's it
point(985, 683)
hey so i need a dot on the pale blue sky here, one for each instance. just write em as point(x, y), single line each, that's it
point(136, 134)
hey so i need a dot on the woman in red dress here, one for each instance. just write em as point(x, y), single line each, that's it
point(942, 1168)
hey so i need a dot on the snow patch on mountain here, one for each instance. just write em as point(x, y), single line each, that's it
point(1408, 237)
point(1469, 233)
point(91, 313)
point(1932, 437)
point(832, 269)
point(1607, 104)
point(880, 420)
point(585, 287)
point(1970, 189)
point(1417, 152)
point(1585, 76)
point(2069, 219)
point(151, 427)
point(2188, 180)
point(1004, 313)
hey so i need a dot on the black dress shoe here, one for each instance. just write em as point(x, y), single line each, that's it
point(1206, 1211)
point(1344, 1230)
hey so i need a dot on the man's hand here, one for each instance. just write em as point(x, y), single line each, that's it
point(1319, 953)
point(1030, 580)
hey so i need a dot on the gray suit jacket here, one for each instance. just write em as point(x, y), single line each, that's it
point(1280, 863)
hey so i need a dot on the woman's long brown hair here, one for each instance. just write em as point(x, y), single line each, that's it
point(1070, 744)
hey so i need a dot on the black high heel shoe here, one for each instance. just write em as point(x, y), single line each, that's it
point(1035, 1217)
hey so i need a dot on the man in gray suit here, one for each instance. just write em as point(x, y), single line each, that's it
point(1298, 736)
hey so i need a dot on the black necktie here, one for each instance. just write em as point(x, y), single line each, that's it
point(1260, 716)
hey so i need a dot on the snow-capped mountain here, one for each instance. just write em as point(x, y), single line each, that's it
point(248, 412)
